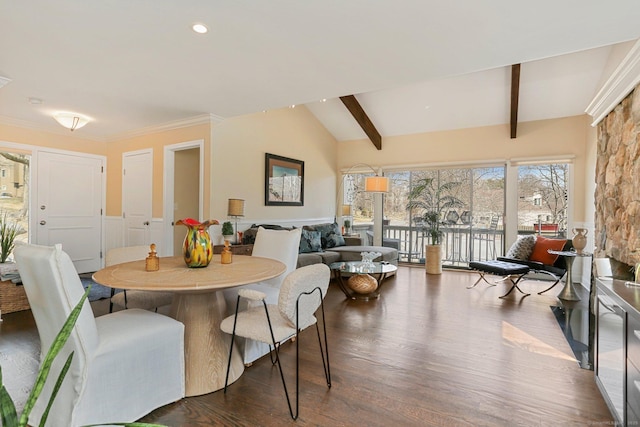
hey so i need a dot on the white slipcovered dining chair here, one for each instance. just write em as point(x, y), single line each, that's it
point(281, 245)
point(125, 364)
point(147, 300)
point(301, 294)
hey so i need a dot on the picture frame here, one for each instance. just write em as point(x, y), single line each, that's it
point(283, 181)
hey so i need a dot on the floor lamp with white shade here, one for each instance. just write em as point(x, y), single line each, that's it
point(376, 184)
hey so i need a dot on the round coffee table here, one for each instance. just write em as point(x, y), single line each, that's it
point(361, 282)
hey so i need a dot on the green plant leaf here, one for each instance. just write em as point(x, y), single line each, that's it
point(8, 413)
point(56, 388)
point(55, 348)
point(8, 232)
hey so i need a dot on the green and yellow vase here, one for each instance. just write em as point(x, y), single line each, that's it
point(197, 247)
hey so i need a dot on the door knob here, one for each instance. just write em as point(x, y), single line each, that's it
point(43, 222)
point(146, 223)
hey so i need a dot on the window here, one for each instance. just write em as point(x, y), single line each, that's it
point(470, 202)
point(14, 195)
point(543, 199)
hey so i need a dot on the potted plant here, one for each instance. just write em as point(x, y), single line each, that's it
point(433, 202)
point(9, 230)
point(227, 230)
point(347, 226)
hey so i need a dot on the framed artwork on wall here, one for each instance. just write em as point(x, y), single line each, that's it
point(283, 181)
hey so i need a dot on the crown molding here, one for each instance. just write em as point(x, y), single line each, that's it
point(620, 84)
point(176, 124)
point(59, 130)
point(53, 128)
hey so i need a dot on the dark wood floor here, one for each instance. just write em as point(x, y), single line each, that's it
point(429, 352)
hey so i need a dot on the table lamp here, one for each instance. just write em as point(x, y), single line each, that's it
point(235, 208)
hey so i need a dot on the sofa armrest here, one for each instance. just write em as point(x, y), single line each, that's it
point(353, 241)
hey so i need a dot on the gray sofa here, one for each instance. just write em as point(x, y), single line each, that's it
point(330, 247)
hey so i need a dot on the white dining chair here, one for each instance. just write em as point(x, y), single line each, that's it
point(125, 364)
point(301, 294)
point(147, 300)
point(281, 245)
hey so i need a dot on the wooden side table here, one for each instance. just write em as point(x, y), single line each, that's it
point(235, 249)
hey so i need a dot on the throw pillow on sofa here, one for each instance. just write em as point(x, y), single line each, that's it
point(522, 247)
point(310, 241)
point(330, 234)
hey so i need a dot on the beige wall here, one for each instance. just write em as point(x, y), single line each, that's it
point(239, 147)
point(558, 137)
point(156, 141)
point(236, 168)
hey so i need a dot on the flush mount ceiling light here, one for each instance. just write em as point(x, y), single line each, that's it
point(199, 28)
point(71, 121)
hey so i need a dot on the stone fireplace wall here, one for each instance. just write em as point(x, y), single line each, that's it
point(617, 196)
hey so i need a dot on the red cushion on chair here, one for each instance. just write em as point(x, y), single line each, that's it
point(541, 247)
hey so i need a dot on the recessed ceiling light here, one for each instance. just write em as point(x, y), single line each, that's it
point(199, 28)
point(323, 100)
point(35, 101)
point(292, 106)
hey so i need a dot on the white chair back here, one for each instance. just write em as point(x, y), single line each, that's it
point(304, 279)
point(281, 245)
point(53, 288)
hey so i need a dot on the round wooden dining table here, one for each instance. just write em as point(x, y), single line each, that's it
point(199, 304)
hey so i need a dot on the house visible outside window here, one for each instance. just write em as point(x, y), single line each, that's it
point(3, 173)
point(547, 211)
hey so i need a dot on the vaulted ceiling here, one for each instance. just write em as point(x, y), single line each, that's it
point(414, 66)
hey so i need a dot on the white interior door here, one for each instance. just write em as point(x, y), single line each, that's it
point(68, 206)
point(137, 188)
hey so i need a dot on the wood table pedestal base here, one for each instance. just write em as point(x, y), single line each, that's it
point(206, 347)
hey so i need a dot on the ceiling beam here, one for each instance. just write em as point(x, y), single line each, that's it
point(361, 117)
point(515, 93)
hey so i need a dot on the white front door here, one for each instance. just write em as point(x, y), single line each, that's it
point(68, 206)
point(137, 188)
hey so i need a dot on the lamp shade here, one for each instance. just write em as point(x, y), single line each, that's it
point(346, 210)
point(235, 207)
point(71, 121)
point(376, 184)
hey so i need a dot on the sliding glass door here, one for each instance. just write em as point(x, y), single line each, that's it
point(470, 207)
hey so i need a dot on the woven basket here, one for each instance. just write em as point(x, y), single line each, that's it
point(363, 283)
point(12, 298)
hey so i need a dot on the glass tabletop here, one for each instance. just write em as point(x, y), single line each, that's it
point(358, 267)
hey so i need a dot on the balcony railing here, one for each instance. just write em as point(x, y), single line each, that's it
point(460, 244)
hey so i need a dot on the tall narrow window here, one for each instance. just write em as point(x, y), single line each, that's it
point(543, 199)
